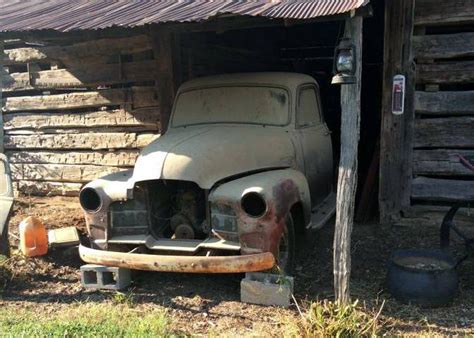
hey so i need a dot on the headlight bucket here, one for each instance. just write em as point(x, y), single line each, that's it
point(90, 200)
point(254, 204)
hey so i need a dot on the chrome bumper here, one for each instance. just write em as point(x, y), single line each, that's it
point(189, 264)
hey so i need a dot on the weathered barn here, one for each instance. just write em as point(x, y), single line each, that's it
point(85, 85)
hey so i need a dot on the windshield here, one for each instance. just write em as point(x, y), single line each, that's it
point(256, 105)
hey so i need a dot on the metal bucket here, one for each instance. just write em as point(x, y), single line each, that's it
point(422, 277)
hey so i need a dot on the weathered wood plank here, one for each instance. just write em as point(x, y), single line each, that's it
point(435, 12)
point(441, 162)
point(162, 42)
point(451, 132)
point(85, 75)
point(117, 158)
point(446, 73)
point(434, 189)
point(37, 188)
point(443, 46)
point(139, 97)
point(444, 103)
point(92, 141)
point(117, 117)
point(95, 51)
point(60, 172)
point(396, 138)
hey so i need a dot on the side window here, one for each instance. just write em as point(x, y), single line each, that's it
point(308, 113)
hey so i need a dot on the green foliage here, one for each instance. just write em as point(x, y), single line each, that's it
point(86, 320)
point(329, 319)
point(123, 298)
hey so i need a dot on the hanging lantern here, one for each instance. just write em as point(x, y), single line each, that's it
point(344, 67)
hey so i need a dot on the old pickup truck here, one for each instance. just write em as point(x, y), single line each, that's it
point(245, 164)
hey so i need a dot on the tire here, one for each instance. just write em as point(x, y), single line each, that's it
point(286, 249)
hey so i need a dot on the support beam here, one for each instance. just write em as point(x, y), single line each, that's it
point(396, 130)
point(162, 42)
point(347, 181)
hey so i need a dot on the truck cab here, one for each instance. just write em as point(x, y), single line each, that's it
point(245, 163)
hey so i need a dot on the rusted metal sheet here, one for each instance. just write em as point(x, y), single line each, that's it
point(188, 264)
point(65, 15)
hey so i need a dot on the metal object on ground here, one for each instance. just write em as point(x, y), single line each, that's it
point(63, 237)
point(105, 277)
point(168, 263)
point(266, 289)
point(422, 277)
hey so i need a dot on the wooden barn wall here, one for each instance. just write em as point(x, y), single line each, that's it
point(421, 168)
point(443, 48)
point(74, 111)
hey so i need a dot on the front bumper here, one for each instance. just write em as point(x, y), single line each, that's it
point(189, 264)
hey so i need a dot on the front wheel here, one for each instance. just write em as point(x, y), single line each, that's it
point(286, 248)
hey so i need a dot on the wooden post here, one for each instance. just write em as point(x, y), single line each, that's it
point(162, 42)
point(396, 136)
point(347, 181)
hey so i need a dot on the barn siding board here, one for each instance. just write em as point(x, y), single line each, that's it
point(443, 46)
point(444, 103)
point(435, 12)
point(91, 75)
point(60, 172)
point(99, 112)
point(106, 118)
point(450, 132)
point(441, 162)
point(459, 72)
point(139, 97)
point(93, 141)
point(97, 51)
point(118, 158)
point(442, 190)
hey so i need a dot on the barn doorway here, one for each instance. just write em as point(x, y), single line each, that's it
point(304, 48)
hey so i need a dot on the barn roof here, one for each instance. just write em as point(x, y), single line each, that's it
point(66, 15)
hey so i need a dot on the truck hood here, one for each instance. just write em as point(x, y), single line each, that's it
point(208, 154)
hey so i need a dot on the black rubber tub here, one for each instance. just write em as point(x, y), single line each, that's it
point(423, 277)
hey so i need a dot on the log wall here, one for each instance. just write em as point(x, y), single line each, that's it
point(443, 48)
point(75, 111)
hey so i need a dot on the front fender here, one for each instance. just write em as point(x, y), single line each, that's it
point(281, 189)
point(113, 187)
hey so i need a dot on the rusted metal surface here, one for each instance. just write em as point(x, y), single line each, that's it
point(281, 189)
point(66, 15)
point(188, 264)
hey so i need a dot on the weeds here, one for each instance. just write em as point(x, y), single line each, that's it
point(124, 298)
point(330, 319)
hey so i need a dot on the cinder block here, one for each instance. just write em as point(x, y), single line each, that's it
point(105, 277)
point(266, 289)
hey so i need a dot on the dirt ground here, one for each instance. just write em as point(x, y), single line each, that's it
point(203, 304)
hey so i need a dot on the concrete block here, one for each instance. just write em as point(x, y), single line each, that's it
point(105, 277)
point(266, 289)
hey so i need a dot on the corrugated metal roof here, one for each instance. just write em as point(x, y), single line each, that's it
point(62, 15)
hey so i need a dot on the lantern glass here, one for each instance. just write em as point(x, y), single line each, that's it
point(345, 61)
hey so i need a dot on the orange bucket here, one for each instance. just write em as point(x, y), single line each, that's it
point(33, 237)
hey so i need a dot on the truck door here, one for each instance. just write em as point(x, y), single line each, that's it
point(315, 141)
point(6, 202)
